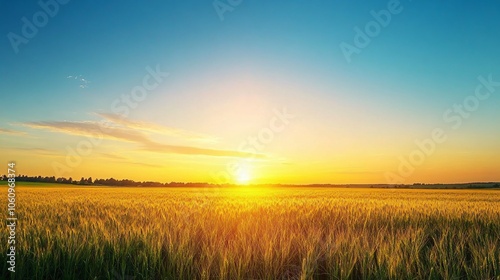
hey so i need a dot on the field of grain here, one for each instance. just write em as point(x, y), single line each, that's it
point(249, 233)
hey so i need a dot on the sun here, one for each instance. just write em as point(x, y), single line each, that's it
point(243, 176)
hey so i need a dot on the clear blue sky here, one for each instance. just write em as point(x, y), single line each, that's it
point(426, 59)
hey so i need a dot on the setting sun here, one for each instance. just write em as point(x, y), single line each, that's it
point(243, 176)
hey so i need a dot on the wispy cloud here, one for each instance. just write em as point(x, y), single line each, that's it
point(112, 156)
point(37, 151)
point(11, 132)
point(146, 164)
point(90, 129)
point(122, 158)
point(357, 172)
point(81, 80)
point(151, 127)
point(127, 134)
point(187, 150)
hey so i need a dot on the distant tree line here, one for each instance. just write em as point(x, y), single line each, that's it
point(102, 182)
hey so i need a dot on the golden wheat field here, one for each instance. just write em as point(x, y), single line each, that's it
point(255, 233)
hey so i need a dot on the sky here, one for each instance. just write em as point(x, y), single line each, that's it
point(254, 92)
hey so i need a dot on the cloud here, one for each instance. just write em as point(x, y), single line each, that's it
point(37, 151)
point(122, 158)
point(98, 130)
point(187, 150)
point(112, 156)
point(356, 172)
point(11, 132)
point(82, 81)
point(151, 127)
point(146, 164)
point(90, 129)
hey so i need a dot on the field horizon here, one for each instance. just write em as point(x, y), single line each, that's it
point(131, 183)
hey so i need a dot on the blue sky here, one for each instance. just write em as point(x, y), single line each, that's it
point(426, 59)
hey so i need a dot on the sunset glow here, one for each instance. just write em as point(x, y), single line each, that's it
point(294, 99)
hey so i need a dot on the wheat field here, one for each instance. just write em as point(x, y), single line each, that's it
point(255, 233)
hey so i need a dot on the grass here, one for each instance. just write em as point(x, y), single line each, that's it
point(247, 233)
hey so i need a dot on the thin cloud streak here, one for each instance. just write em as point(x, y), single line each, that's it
point(112, 156)
point(89, 129)
point(11, 132)
point(187, 150)
point(38, 151)
point(147, 164)
point(186, 135)
point(95, 130)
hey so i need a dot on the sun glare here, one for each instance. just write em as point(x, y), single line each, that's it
point(243, 176)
